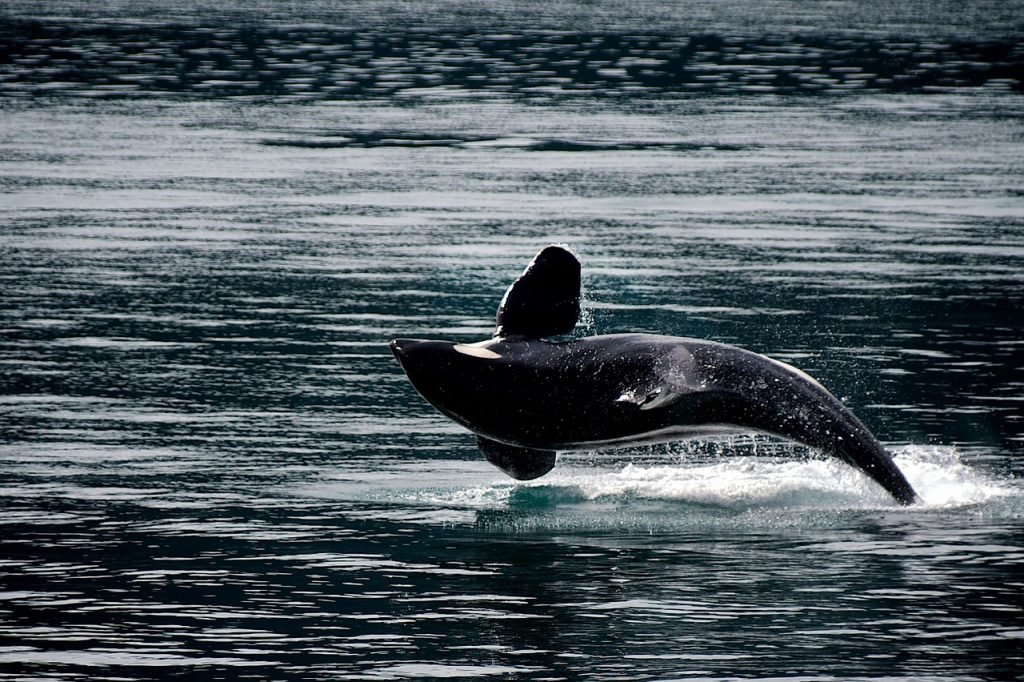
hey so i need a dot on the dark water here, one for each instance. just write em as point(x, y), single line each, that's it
point(215, 216)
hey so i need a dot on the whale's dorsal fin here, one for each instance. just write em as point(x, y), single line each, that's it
point(545, 299)
point(522, 464)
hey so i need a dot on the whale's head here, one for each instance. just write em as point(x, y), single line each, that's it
point(453, 377)
point(463, 381)
point(469, 383)
point(425, 362)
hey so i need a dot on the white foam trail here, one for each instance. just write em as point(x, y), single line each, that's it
point(937, 473)
point(740, 482)
point(675, 487)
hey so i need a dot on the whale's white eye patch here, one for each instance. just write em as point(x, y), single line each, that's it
point(476, 351)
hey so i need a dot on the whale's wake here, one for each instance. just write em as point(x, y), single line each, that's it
point(673, 491)
point(938, 473)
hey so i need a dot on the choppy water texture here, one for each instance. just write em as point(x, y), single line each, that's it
point(214, 218)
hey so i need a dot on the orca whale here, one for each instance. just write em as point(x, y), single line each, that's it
point(526, 397)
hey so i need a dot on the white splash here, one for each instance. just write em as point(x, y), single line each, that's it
point(686, 486)
point(938, 474)
point(942, 479)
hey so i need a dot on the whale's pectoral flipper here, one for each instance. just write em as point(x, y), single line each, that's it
point(545, 300)
point(523, 464)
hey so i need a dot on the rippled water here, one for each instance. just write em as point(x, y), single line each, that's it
point(214, 218)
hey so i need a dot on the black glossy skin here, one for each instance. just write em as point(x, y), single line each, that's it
point(619, 390)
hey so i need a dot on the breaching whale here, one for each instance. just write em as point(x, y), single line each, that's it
point(526, 398)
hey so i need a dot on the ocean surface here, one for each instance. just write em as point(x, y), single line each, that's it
point(214, 216)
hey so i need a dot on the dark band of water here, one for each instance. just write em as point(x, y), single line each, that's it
point(52, 57)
